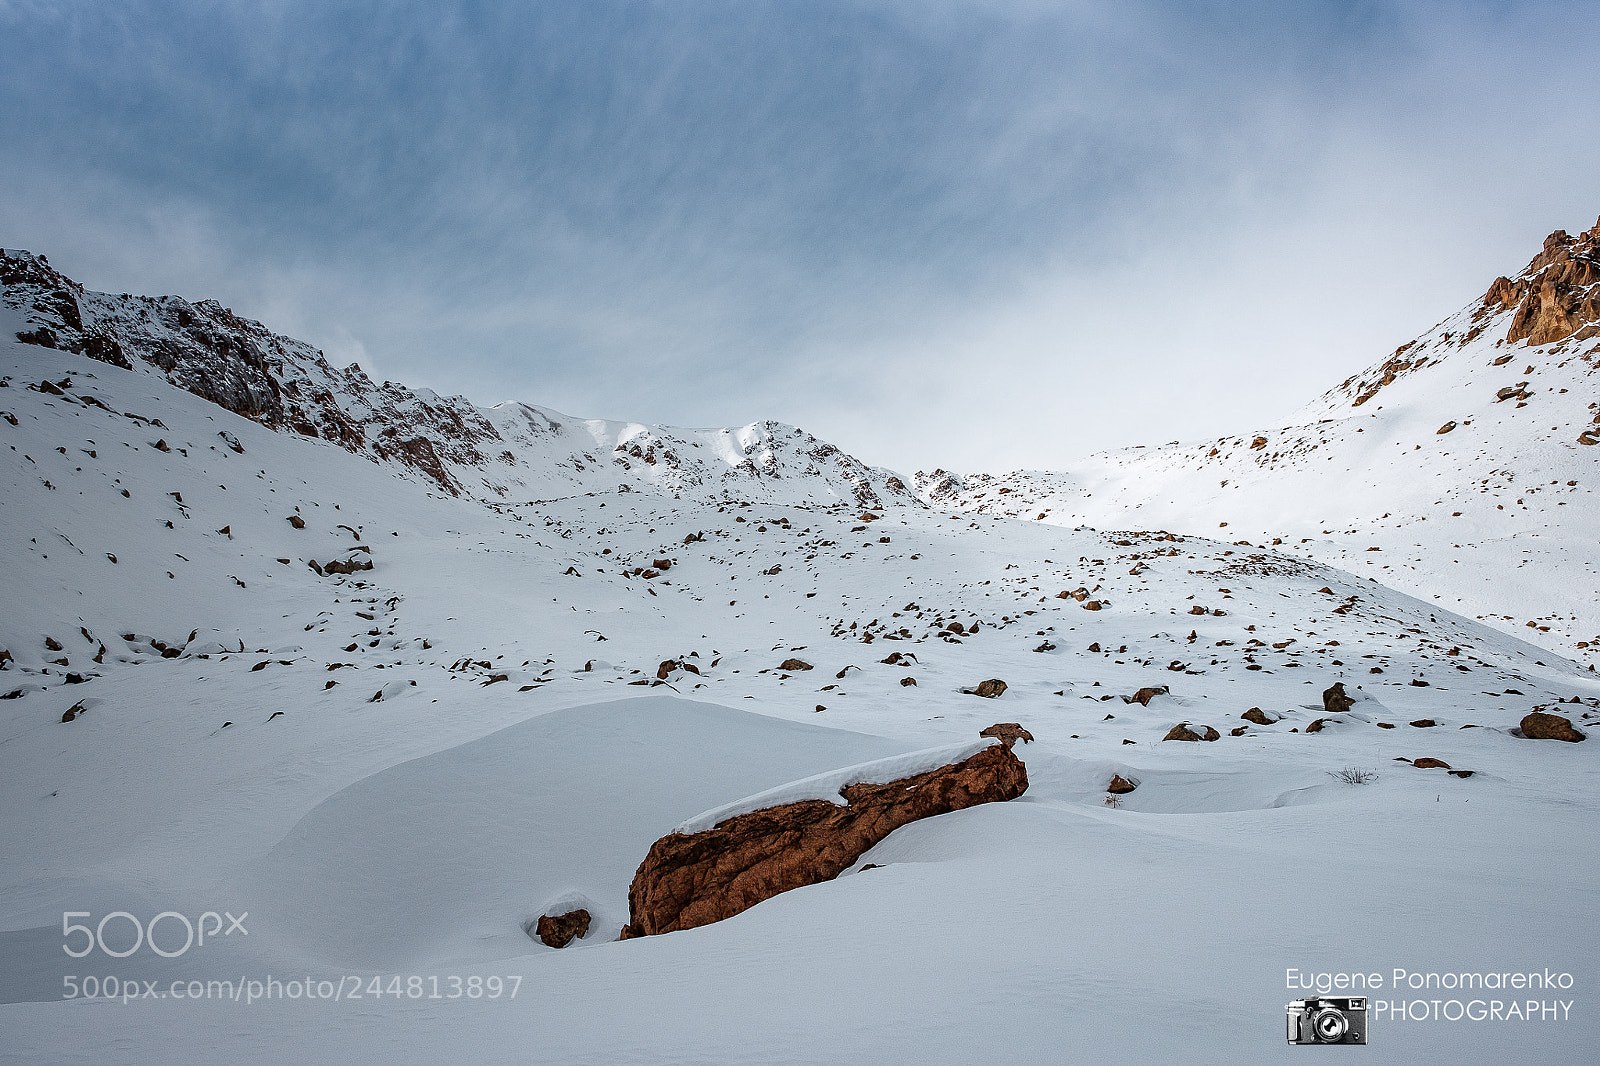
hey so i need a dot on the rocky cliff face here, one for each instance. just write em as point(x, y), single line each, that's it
point(694, 879)
point(511, 452)
point(1557, 295)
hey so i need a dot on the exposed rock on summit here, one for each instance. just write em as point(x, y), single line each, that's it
point(1557, 295)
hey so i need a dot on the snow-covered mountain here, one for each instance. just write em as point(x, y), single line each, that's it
point(509, 452)
point(258, 656)
point(1463, 468)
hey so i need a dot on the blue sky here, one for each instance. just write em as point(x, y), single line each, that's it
point(977, 235)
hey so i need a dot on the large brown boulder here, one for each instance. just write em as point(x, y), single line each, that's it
point(693, 879)
point(1542, 726)
point(989, 689)
point(1335, 700)
point(559, 930)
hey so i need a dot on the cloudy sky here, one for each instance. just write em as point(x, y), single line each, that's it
point(977, 235)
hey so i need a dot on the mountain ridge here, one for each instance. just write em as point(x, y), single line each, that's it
point(502, 453)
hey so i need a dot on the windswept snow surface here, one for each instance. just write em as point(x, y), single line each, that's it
point(830, 785)
point(395, 771)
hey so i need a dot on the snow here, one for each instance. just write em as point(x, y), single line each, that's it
point(522, 757)
point(831, 784)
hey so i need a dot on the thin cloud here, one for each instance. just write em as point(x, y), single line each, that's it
point(975, 235)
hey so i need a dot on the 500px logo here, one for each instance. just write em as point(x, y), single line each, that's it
point(194, 933)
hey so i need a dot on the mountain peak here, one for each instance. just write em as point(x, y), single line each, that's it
point(1556, 296)
point(508, 452)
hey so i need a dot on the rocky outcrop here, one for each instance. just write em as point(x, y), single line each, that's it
point(1557, 295)
point(1335, 700)
point(1121, 786)
point(693, 879)
point(1542, 726)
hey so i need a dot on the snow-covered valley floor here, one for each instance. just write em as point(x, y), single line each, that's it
point(472, 733)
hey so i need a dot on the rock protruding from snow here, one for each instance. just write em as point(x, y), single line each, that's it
point(694, 879)
point(1181, 731)
point(1008, 733)
point(1542, 726)
point(559, 930)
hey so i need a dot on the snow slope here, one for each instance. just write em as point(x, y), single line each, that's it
point(395, 770)
point(1462, 469)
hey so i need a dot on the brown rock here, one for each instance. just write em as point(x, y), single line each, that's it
point(1316, 727)
point(1429, 763)
point(559, 930)
point(1121, 785)
point(1093, 605)
point(1335, 700)
point(1181, 731)
point(1446, 428)
point(794, 665)
point(1238, 731)
point(989, 689)
point(347, 566)
point(1424, 723)
point(690, 880)
point(1008, 733)
point(297, 522)
point(1145, 695)
point(73, 712)
point(1556, 296)
point(908, 682)
point(1542, 726)
point(664, 671)
point(1258, 716)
